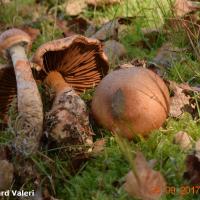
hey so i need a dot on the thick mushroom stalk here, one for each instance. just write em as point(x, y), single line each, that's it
point(29, 123)
point(68, 122)
point(70, 65)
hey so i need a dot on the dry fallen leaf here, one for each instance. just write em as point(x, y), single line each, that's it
point(33, 32)
point(74, 8)
point(4, 1)
point(149, 37)
point(109, 30)
point(144, 183)
point(98, 147)
point(167, 55)
point(179, 101)
point(136, 63)
point(183, 7)
point(99, 3)
point(62, 25)
point(114, 51)
point(183, 140)
point(192, 173)
point(77, 25)
point(6, 174)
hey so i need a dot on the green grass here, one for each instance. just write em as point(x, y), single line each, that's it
point(102, 177)
point(16, 13)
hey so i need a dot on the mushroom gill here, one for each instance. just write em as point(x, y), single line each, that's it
point(8, 91)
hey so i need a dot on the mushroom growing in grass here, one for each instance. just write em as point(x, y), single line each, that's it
point(69, 67)
point(131, 101)
point(29, 122)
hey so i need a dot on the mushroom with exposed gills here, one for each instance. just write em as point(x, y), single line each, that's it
point(70, 66)
point(8, 92)
point(131, 101)
point(29, 123)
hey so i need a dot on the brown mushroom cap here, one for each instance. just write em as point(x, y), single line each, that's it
point(13, 37)
point(131, 101)
point(80, 60)
point(8, 90)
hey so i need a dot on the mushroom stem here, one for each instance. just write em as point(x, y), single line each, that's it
point(56, 82)
point(68, 121)
point(30, 119)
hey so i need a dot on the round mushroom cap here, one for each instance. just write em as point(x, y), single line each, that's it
point(13, 37)
point(80, 60)
point(8, 91)
point(131, 101)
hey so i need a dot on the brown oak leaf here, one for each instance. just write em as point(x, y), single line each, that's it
point(143, 182)
point(179, 101)
point(183, 7)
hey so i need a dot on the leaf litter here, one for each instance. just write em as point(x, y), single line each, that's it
point(181, 98)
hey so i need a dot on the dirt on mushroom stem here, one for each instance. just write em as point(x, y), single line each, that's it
point(28, 125)
point(68, 122)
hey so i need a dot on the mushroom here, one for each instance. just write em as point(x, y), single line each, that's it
point(131, 101)
point(70, 66)
point(29, 122)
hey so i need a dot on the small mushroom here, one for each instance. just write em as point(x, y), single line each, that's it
point(29, 123)
point(131, 101)
point(70, 66)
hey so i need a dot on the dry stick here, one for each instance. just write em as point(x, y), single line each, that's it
point(193, 46)
point(187, 21)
